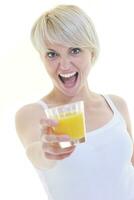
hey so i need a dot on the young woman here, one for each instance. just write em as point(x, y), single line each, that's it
point(102, 167)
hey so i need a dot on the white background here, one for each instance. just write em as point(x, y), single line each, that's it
point(23, 78)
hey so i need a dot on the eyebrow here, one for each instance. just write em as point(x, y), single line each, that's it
point(55, 50)
point(51, 50)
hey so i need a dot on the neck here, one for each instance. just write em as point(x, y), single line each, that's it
point(84, 94)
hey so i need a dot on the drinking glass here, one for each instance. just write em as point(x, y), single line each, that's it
point(71, 121)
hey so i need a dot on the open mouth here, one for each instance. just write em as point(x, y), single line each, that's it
point(69, 80)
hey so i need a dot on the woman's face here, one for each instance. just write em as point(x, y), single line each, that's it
point(67, 67)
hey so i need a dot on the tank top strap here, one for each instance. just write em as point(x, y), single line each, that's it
point(114, 109)
point(42, 104)
point(110, 103)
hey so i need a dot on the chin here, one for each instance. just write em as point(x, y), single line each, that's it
point(71, 92)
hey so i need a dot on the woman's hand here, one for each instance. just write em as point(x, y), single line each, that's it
point(51, 142)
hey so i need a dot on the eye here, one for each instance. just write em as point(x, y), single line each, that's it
point(75, 50)
point(51, 54)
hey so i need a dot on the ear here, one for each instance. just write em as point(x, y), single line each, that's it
point(92, 55)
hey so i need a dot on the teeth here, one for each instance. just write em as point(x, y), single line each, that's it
point(68, 75)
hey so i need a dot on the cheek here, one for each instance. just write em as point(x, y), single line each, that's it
point(50, 67)
point(84, 64)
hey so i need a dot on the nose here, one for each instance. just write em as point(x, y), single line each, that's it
point(65, 63)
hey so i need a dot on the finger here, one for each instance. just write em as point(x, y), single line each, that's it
point(58, 153)
point(55, 147)
point(44, 133)
point(48, 122)
point(51, 138)
point(46, 126)
point(56, 150)
point(56, 157)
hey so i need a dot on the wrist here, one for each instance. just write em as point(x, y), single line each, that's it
point(36, 155)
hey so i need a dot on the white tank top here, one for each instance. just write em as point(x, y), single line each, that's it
point(99, 169)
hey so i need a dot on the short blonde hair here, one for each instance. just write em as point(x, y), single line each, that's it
point(67, 25)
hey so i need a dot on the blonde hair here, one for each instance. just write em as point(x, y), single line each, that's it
point(67, 25)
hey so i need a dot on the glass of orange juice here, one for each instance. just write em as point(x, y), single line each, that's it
point(71, 120)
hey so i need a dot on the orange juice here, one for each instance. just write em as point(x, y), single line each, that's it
point(71, 124)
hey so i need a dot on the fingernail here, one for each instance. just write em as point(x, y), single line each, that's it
point(66, 136)
point(52, 121)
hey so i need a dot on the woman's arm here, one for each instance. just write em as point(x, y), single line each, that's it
point(27, 122)
point(123, 109)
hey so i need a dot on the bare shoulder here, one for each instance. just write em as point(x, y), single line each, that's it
point(122, 107)
point(29, 111)
point(27, 120)
point(119, 102)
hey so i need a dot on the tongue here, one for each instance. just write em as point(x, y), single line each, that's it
point(70, 82)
